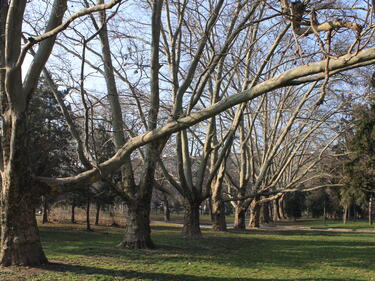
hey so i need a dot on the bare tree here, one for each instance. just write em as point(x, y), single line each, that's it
point(20, 243)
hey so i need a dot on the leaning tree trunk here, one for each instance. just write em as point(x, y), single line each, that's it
point(255, 214)
point(20, 242)
point(137, 229)
point(191, 228)
point(239, 218)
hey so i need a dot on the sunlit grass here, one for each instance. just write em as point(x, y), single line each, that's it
point(338, 224)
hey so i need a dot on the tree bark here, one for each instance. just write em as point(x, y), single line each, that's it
point(20, 242)
point(218, 206)
point(191, 228)
point(137, 229)
point(255, 215)
point(239, 218)
point(218, 215)
point(97, 213)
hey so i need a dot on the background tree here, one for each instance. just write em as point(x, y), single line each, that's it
point(49, 137)
point(294, 204)
point(359, 171)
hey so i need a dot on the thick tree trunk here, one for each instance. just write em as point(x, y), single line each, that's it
point(218, 215)
point(191, 228)
point(217, 204)
point(72, 216)
point(19, 242)
point(97, 213)
point(239, 218)
point(137, 229)
point(255, 215)
point(45, 210)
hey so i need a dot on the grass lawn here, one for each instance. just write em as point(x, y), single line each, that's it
point(338, 224)
point(251, 255)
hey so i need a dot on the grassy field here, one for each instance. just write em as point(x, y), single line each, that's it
point(252, 255)
point(338, 224)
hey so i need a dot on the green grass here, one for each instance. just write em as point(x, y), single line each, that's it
point(338, 224)
point(250, 255)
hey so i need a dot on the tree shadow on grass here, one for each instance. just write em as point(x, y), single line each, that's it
point(301, 250)
point(293, 254)
point(119, 274)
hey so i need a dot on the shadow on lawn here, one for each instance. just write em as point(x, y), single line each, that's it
point(244, 253)
point(127, 274)
point(292, 249)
